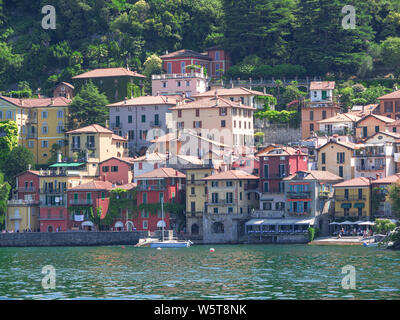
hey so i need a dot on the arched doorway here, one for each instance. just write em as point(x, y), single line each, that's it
point(217, 227)
point(129, 226)
point(50, 229)
point(194, 229)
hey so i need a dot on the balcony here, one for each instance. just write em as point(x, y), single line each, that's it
point(251, 186)
point(299, 214)
point(274, 176)
point(52, 191)
point(90, 146)
point(219, 203)
point(350, 197)
point(151, 187)
point(31, 135)
point(52, 218)
point(116, 125)
point(81, 202)
point(353, 214)
point(31, 121)
point(15, 217)
point(299, 195)
point(155, 124)
point(370, 168)
point(177, 76)
point(26, 189)
point(267, 214)
point(76, 147)
point(22, 202)
point(52, 204)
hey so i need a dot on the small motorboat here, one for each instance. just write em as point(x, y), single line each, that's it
point(170, 244)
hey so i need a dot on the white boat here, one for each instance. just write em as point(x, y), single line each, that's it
point(168, 243)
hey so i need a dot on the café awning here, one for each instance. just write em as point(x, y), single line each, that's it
point(346, 222)
point(66, 164)
point(359, 205)
point(346, 205)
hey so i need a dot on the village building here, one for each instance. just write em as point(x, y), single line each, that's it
point(341, 124)
point(118, 171)
point(182, 84)
point(389, 105)
point(322, 106)
point(64, 89)
point(371, 124)
point(353, 198)
point(116, 83)
point(230, 201)
point(142, 119)
point(380, 206)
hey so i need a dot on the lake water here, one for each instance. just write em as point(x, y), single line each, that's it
point(231, 272)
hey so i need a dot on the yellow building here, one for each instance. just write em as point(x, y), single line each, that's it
point(196, 197)
point(337, 157)
point(22, 215)
point(95, 144)
point(352, 198)
point(41, 123)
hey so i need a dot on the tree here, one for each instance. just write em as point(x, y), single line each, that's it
point(4, 194)
point(88, 107)
point(391, 51)
point(19, 160)
point(55, 148)
point(152, 65)
point(8, 139)
point(394, 197)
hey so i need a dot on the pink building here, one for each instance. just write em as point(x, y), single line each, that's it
point(187, 84)
point(117, 170)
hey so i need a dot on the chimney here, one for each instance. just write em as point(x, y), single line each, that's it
point(377, 176)
point(125, 100)
point(29, 166)
point(166, 99)
point(176, 172)
point(52, 101)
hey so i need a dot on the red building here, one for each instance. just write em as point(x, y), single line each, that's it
point(152, 187)
point(277, 162)
point(117, 170)
point(214, 60)
point(84, 198)
point(27, 186)
point(389, 105)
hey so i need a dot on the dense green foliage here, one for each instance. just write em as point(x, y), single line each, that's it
point(18, 161)
point(4, 194)
point(88, 107)
point(394, 198)
point(288, 37)
point(8, 139)
point(383, 226)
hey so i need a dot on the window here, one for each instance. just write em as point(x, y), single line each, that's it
point(60, 143)
point(183, 67)
point(360, 194)
point(197, 112)
point(105, 168)
point(281, 186)
point(193, 207)
point(192, 191)
point(196, 124)
point(266, 187)
point(217, 69)
point(143, 118)
point(214, 184)
point(45, 144)
point(267, 206)
point(388, 105)
point(9, 114)
point(229, 197)
point(223, 123)
point(169, 67)
point(76, 142)
point(214, 197)
point(44, 114)
point(346, 194)
point(140, 166)
point(323, 158)
point(114, 168)
point(1, 114)
point(229, 183)
point(164, 84)
point(179, 113)
point(323, 114)
point(311, 127)
point(223, 111)
point(311, 115)
point(131, 134)
point(266, 171)
point(178, 83)
point(187, 83)
point(144, 197)
point(31, 144)
point(45, 129)
point(129, 119)
point(340, 157)
point(60, 127)
point(216, 55)
point(376, 128)
point(341, 171)
point(145, 224)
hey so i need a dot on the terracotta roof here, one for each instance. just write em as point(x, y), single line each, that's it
point(143, 101)
point(396, 123)
point(322, 85)
point(348, 145)
point(390, 134)
point(155, 156)
point(162, 173)
point(93, 128)
point(392, 95)
point(381, 118)
point(388, 180)
point(109, 72)
point(93, 185)
point(210, 103)
point(124, 159)
point(222, 92)
point(232, 175)
point(356, 182)
point(185, 53)
point(341, 117)
point(127, 186)
point(165, 138)
point(35, 172)
point(38, 102)
point(116, 137)
point(315, 175)
point(284, 151)
point(66, 84)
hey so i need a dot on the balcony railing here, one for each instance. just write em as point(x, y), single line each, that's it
point(22, 202)
point(80, 201)
point(274, 176)
point(299, 195)
point(350, 197)
point(116, 125)
point(76, 147)
point(90, 146)
point(251, 186)
point(26, 189)
point(155, 123)
point(52, 218)
point(299, 214)
point(369, 154)
point(370, 168)
point(177, 76)
point(31, 135)
point(218, 203)
point(52, 191)
point(52, 204)
point(350, 214)
point(151, 187)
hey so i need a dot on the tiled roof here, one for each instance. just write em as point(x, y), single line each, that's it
point(388, 180)
point(392, 95)
point(232, 175)
point(185, 53)
point(356, 182)
point(210, 103)
point(93, 128)
point(127, 186)
point(284, 151)
point(35, 172)
point(155, 156)
point(322, 85)
point(341, 117)
point(396, 123)
point(222, 92)
point(116, 137)
point(390, 134)
point(109, 72)
point(38, 102)
point(315, 175)
point(346, 144)
point(145, 100)
point(123, 159)
point(379, 117)
point(162, 173)
point(94, 185)
point(67, 84)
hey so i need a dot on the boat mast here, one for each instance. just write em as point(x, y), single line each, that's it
point(162, 217)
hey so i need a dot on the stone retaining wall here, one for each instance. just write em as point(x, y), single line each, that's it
point(54, 239)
